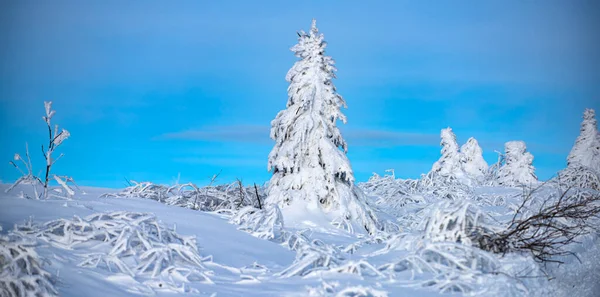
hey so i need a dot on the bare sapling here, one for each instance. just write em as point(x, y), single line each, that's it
point(55, 139)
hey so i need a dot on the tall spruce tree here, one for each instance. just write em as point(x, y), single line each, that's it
point(586, 151)
point(449, 163)
point(309, 164)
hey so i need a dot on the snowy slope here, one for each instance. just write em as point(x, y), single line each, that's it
point(243, 265)
point(230, 248)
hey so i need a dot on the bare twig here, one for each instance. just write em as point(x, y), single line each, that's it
point(257, 196)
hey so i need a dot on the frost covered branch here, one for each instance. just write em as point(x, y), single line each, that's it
point(546, 229)
point(21, 273)
point(132, 243)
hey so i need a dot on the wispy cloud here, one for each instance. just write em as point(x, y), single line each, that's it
point(387, 138)
point(235, 133)
point(260, 135)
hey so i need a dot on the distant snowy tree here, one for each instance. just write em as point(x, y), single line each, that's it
point(308, 161)
point(518, 167)
point(449, 163)
point(586, 151)
point(472, 159)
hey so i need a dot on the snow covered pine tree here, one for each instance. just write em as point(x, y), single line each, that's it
point(472, 159)
point(312, 177)
point(586, 151)
point(449, 163)
point(518, 168)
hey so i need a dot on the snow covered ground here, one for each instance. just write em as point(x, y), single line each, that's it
point(235, 263)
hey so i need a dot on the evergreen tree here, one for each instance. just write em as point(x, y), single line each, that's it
point(449, 163)
point(586, 151)
point(309, 164)
point(518, 167)
point(472, 159)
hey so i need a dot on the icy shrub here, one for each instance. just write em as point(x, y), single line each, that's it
point(132, 243)
point(21, 272)
point(227, 197)
point(391, 194)
point(263, 223)
point(441, 187)
point(453, 268)
point(456, 221)
point(313, 257)
point(547, 223)
point(578, 177)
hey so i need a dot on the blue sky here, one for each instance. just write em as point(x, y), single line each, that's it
point(149, 90)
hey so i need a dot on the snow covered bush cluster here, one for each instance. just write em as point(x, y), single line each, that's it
point(21, 273)
point(210, 198)
point(262, 223)
point(135, 244)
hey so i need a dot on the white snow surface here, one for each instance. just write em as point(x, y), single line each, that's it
point(208, 254)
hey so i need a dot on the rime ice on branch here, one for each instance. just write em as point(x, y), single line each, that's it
point(308, 161)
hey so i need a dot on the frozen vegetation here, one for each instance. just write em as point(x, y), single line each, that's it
point(464, 227)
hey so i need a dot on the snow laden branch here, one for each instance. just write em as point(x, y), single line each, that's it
point(132, 243)
point(221, 198)
point(547, 226)
point(27, 177)
point(21, 270)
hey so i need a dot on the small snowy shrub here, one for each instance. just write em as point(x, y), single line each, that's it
point(21, 272)
point(263, 223)
point(391, 193)
point(453, 268)
point(442, 187)
point(578, 177)
point(210, 198)
point(314, 257)
point(127, 242)
point(456, 221)
point(55, 139)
